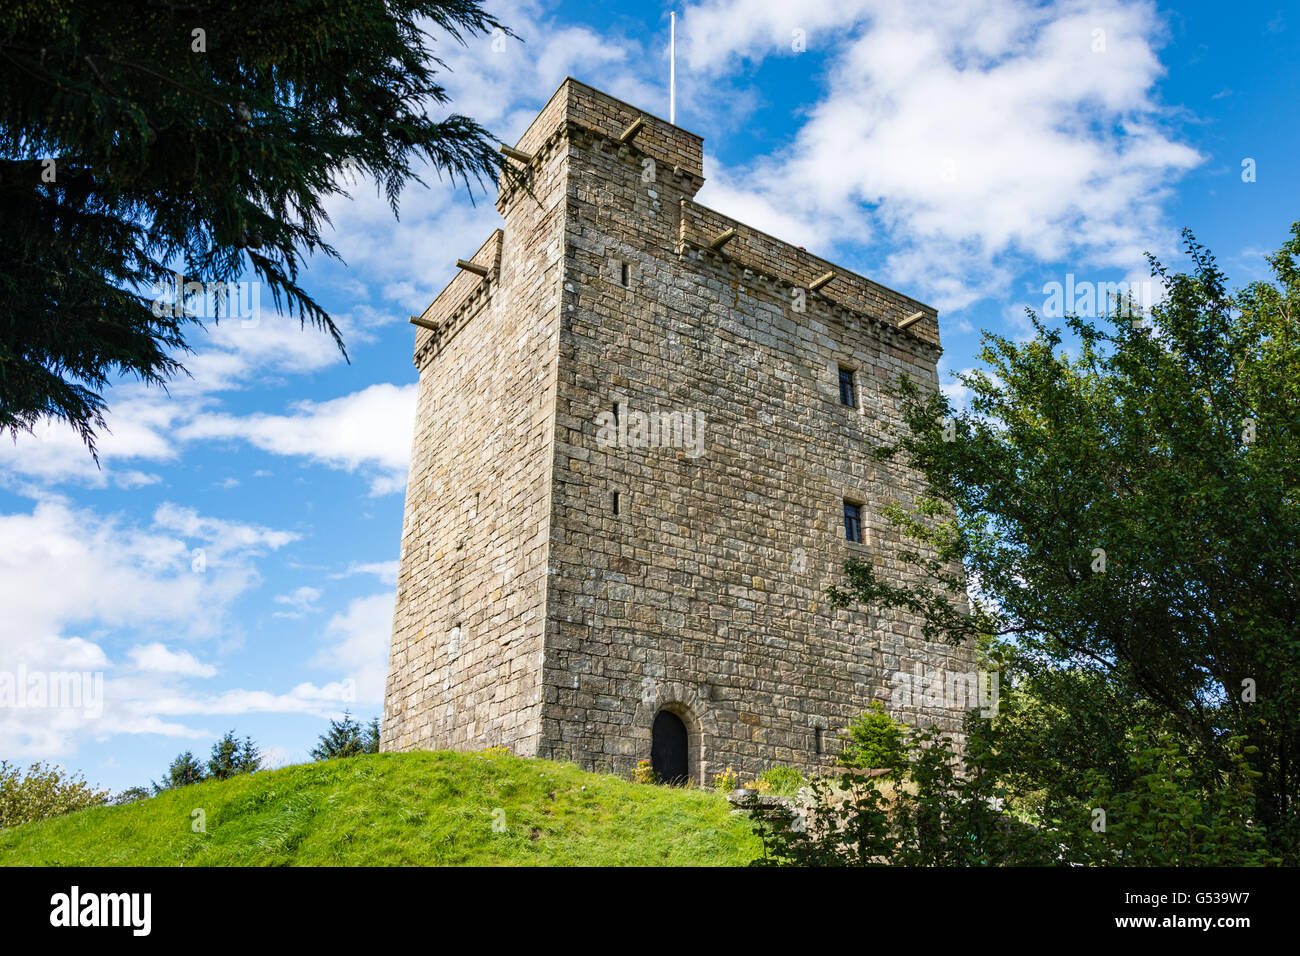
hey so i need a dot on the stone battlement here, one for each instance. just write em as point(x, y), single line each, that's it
point(576, 110)
point(795, 268)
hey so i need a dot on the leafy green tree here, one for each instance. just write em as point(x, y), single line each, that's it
point(230, 757)
point(372, 736)
point(182, 772)
point(345, 738)
point(140, 141)
point(1128, 510)
point(42, 791)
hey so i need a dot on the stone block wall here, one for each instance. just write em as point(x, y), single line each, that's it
point(465, 661)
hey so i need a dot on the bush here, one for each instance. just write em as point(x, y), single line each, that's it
point(43, 791)
point(945, 809)
point(783, 781)
point(875, 742)
point(934, 809)
point(1167, 819)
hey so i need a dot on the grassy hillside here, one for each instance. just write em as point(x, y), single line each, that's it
point(431, 808)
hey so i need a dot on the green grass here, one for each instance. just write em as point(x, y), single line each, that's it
point(428, 808)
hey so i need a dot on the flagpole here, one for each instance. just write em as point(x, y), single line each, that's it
point(672, 69)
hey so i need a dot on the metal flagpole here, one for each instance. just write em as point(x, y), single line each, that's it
point(672, 69)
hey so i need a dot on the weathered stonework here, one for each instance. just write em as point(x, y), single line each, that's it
point(529, 613)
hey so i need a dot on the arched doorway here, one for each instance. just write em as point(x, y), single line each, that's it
point(669, 756)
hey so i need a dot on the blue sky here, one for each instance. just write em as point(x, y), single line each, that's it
point(232, 563)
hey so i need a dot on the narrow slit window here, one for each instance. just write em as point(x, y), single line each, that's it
point(626, 274)
point(817, 739)
point(848, 389)
point(616, 503)
point(852, 522)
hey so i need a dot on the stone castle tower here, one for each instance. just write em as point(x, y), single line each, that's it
point(641, 453)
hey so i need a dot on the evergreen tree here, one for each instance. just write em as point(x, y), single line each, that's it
point(229, 757)
point(142, 140)
point(184, 770)
point(372, 736)
point(345, 738)
point(249, 758)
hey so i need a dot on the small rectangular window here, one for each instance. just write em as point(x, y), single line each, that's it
point(817, 739)
point(616, 502)
point(852, 522)
point(848, 393)
point(627, 275)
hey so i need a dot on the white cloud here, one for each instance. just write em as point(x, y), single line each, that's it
point(73, 582)
point(62, 566)
point(503, 88)
point(273, 758)
point(304, 698)
point(360, 650)
point(300, 602)
point(156, 657)
point(138, 427)
point(385, 571)
point(966, 138)
point(368, 430)
point(231, 353)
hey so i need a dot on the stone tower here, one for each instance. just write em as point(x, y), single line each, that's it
point(641, 452)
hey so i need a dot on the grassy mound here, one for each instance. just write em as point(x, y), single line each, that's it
point(412, 809)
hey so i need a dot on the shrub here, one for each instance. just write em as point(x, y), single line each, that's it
point(43, 791)
point(874, 741)
point(1168, 819)
point(945, 810)
point(784, 781)
point(644, 773)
